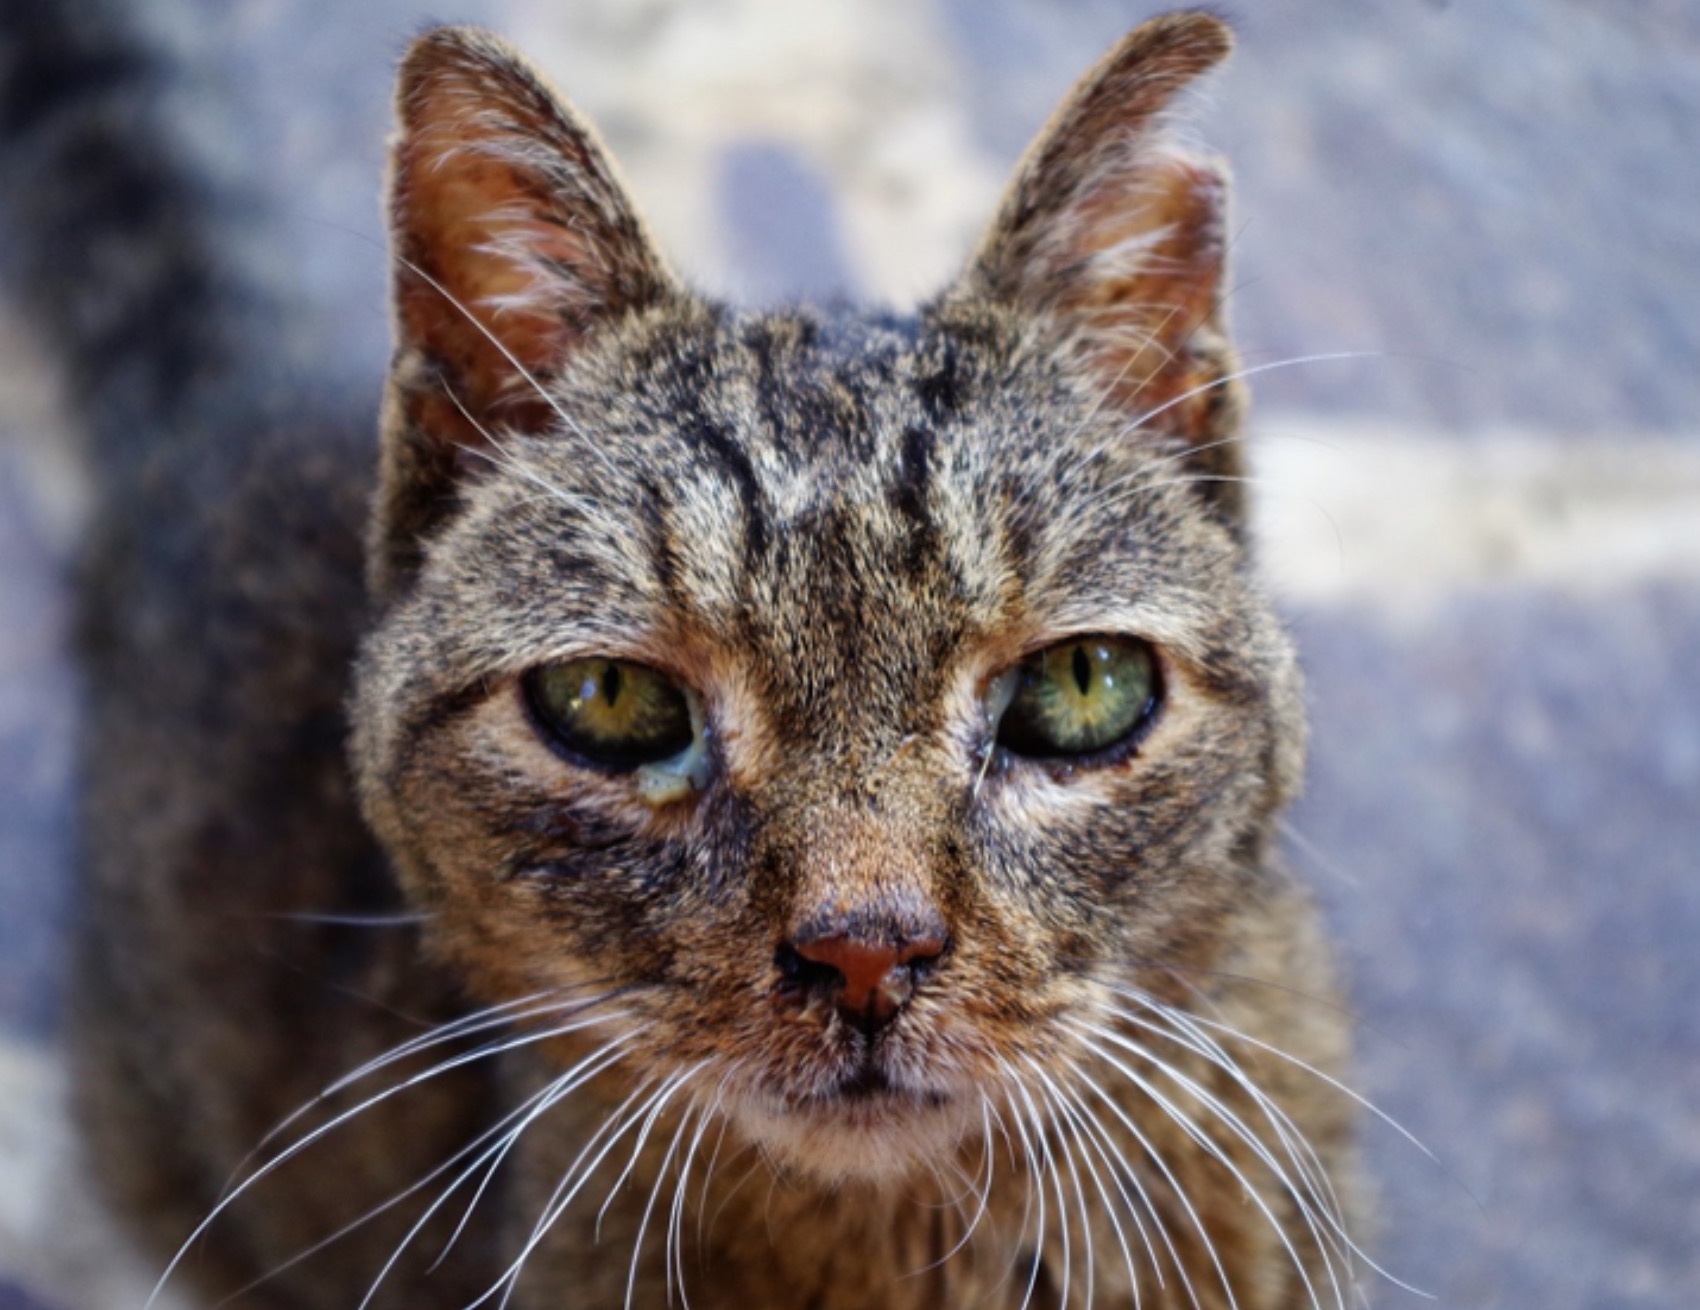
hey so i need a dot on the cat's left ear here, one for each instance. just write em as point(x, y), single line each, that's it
point(514, 243)
point(1118, 238)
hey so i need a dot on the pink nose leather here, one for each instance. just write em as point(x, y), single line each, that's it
point(877, 978)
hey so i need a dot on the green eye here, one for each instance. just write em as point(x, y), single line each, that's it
point(1079, 697)
point(611, 712)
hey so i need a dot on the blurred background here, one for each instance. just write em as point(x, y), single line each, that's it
point(1484, 522)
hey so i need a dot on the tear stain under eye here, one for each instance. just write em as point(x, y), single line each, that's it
point(662, 786)
point(687, 773)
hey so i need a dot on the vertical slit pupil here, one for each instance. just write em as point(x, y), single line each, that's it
point(611, 683)
point(1082, 669)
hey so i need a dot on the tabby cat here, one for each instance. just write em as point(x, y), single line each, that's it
point(823, 763)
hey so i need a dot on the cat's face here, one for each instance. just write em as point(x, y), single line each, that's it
point(829, 704)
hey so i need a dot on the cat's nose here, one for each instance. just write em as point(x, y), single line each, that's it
point(869, 981)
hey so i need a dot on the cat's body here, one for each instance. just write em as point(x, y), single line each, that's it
point(882, 980)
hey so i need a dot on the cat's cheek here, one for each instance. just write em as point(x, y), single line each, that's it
point(537, 875)
point(1077, 850)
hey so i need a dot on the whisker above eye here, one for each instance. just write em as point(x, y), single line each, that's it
point(513, 360)
point(503, 458)
point(1238, 375)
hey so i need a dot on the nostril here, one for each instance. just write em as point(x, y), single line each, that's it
point(806, 974)
point(922, 955)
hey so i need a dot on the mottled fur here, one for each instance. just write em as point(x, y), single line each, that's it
point(838, 528)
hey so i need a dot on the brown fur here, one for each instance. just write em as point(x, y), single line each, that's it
point(837, 529)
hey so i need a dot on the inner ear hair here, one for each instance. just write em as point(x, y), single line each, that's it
point(514, 243)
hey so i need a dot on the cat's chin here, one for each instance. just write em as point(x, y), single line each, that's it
point(876, 1136)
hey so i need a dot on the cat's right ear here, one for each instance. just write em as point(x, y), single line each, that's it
point(512, 242)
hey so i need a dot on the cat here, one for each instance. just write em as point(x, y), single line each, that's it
point(807, 834)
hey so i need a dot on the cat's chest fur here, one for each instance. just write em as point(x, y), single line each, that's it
point(823, 764)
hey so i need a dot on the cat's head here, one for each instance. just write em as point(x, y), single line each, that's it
point(849, 698)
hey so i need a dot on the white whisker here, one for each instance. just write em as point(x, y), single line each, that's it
point(713, 1160)
point(1097, 1138)
point(655, 1189)
point(573, 1180)
point(1180, 1193)
point(1297, 1146)
point(676, 1216)
point(981, 1191)
point(1322, 1076)
point(1305, 1160)
point(1240, 374)
point(1111, 1153)
point(1071, 1124)
point(1039, 1163)
point(1215, 1150)
point(494, 1016)
point(490, 1160)
point(505, 459)
point(652, 1113)
point(1046, 1091)
point(301, 1144)
point(494, 1131)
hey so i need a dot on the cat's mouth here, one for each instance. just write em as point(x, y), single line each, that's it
point(866, 1123)
point(870, 1084)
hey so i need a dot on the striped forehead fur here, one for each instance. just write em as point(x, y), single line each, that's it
point(709, 445)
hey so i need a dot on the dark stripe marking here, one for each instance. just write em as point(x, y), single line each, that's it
point(723, 453)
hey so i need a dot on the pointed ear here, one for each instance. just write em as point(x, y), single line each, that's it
point(513, 242)
point(1118, 237)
